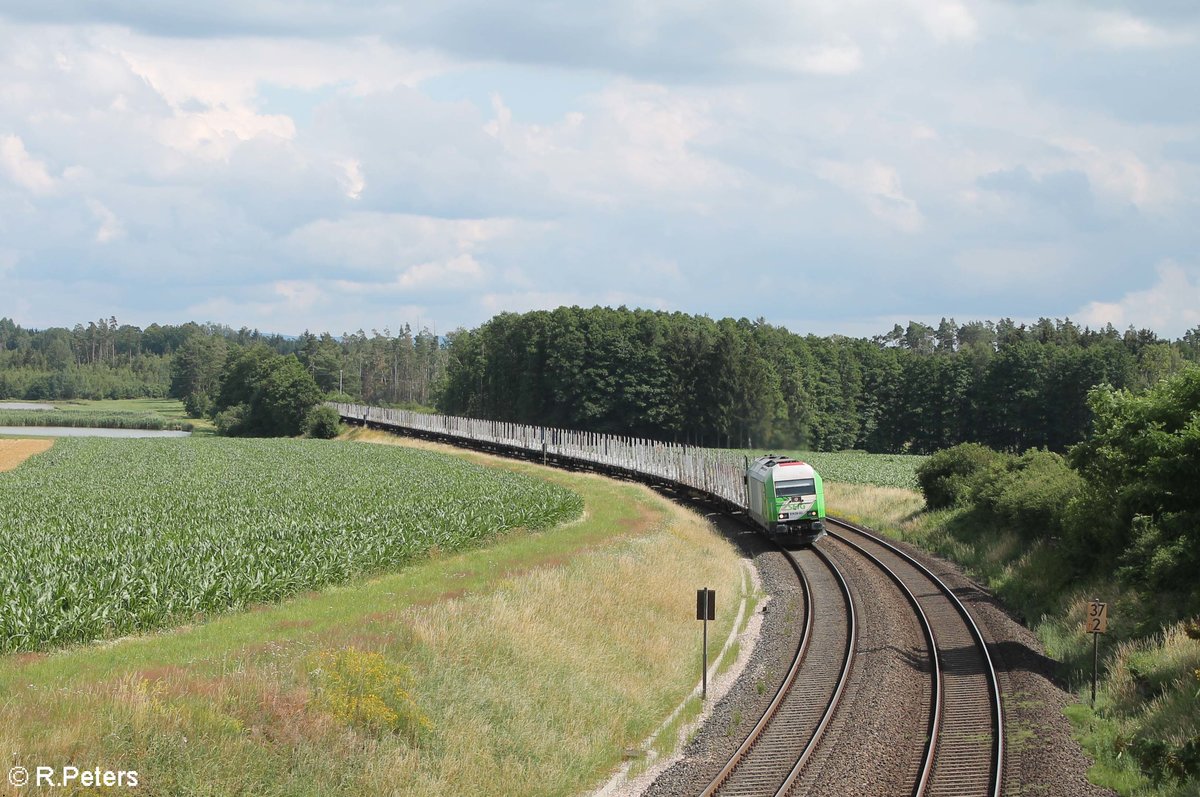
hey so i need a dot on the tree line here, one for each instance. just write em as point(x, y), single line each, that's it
point(742, 383)
point(668, 376)
point(108, 360)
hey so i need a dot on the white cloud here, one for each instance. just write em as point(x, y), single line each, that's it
point(462, 271)
point(352, 179)
point(387, 241)
point(878, 187)
point(22, 168)
point(947, 20)
point(1122, 31)
point(1170, 306)
point(306, 176)
point(111, 228)
point(843, 58)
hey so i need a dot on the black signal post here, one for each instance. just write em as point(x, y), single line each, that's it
point(706, 609)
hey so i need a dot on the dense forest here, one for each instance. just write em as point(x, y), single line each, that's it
point(668, 376)
point(747, 383)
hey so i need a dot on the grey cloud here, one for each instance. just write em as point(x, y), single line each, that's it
point(1065, 195)
point(668, 42)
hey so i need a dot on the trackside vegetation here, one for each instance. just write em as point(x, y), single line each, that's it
point(107, 537)
point(1118, 518)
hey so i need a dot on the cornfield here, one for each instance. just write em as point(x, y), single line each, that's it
point(859, 467)
point(101, 537)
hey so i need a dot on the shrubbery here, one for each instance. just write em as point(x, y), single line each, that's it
point(1030, 491)
point(323, 422)
point(264, 394)
point(948, 477)
point(1126, 500)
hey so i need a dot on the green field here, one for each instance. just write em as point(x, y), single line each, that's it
point(859, 467)
point(100, 538)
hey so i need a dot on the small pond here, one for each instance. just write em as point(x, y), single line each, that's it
point(25, 405)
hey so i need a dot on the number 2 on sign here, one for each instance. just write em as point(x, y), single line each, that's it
point(1097, 618)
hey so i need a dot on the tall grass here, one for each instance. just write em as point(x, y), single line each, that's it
point(92, 419)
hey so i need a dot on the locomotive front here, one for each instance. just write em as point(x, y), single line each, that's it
point(787, 498)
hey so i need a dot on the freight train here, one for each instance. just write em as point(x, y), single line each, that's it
point(786, 498)
point(783, 496)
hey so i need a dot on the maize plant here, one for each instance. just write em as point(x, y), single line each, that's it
point(104, 537)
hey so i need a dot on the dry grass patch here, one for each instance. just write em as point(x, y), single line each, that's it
point(14, 452)
point(875, 506)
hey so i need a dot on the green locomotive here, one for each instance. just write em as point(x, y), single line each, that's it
point(786, 498)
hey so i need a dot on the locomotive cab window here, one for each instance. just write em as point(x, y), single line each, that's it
point(794, 488)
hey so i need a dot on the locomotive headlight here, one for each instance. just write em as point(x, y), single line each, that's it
point(783, 515)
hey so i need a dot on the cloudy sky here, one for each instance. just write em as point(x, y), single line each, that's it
point(830, 165)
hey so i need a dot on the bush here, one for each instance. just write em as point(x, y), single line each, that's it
point(323, 422)
point(197, 405)
point(232, 421)
point(948, 477)
point(1031, 491)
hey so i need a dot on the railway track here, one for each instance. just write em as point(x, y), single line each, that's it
point(964, 745)
point(776, 749)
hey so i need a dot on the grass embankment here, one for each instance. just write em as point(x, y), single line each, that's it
point(1150, 688)
point(534, 662)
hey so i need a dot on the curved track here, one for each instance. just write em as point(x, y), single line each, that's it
point(963, 754)
point(964, 749)
point(779, 745)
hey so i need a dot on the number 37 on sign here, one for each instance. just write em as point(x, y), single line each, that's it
point(1097, 618)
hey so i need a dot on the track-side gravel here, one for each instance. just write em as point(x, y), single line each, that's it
point(874, 746)
point(802, 713)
